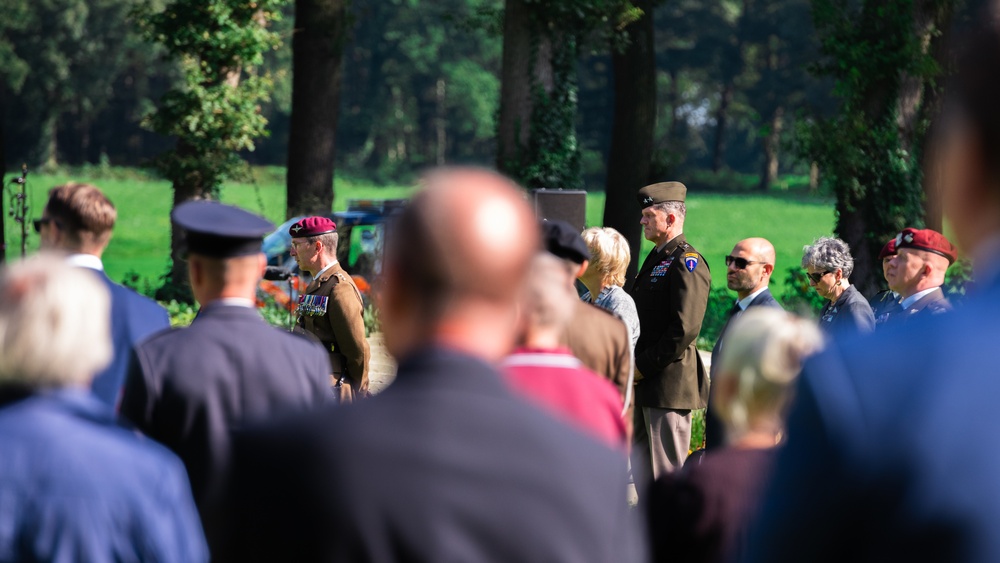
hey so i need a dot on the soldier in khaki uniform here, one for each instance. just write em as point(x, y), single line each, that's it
point(671, 295)
point(331, 309)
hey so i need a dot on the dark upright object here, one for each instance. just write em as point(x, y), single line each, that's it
point(451, 467)
point(189, 387)
point(75, 486)
point(715, 430)
point(890, 453)
point(133, 318)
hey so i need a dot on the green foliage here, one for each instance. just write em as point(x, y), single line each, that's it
point(215, 112)
point(373, 323)
point(958, 280)
point(181, 314)
point(720, 302)
point(799, 297)
point(697, 429)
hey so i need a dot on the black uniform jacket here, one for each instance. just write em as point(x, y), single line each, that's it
point(451, 466)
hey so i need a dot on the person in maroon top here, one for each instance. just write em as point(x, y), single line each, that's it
point(545, 371)
point(703, 513)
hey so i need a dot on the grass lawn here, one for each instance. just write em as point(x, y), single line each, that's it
point(141, 240)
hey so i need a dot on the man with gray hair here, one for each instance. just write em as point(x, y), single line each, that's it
point(75, 485)
point(331, 308)
point(671, 295)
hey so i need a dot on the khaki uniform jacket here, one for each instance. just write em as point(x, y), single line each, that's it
point(671, 295)
point(600, 340)
point(342, 329)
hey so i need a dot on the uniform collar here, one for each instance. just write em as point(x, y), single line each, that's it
point(672, 244)
point(911, 300)
point(320, 273)
point(85, 261)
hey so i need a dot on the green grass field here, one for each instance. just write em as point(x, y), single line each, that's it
point(141, 240)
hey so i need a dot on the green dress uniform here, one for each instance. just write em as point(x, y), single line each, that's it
point(671, 295)
point(335, 316)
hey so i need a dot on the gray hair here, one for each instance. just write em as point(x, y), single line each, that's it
point(830, 254)
point(676, 207)
point(55, 324)
point(329, 241)
point(763, 353)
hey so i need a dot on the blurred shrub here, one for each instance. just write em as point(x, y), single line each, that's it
point(720, 301)
point(181, 314)
point(958, 280)
point(799, 297)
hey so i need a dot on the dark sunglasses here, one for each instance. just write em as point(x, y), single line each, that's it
point(43, 221)
point(741, 263)
point(817, 276)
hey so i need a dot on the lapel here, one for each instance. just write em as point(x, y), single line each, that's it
point(654, 257)
point(923, 302)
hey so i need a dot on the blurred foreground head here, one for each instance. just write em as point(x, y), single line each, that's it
point(969, 139)
point(548, 300)
point(758, 367)
point(455, 260)
point(54, 324)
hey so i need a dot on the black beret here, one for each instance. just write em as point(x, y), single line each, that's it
point(662, 192)
point(217, 230)
point(562, 240)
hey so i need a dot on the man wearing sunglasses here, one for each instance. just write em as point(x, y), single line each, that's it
point(671, 295)
point(748, 273)
point(77, 220)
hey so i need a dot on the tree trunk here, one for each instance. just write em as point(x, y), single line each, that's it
point(317, 51)
point(772, 145)
point(931, 111)
point(634, 119)
point(513, 125)
point(192, 186)
point(721, 122)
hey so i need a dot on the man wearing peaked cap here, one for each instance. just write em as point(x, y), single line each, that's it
point(885, 304)
point(671, 294)
point(331, 308)
point(595, 336)
point(189, 387)
point(917, 272)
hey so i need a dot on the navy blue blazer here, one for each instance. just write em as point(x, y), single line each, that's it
point(449, 466)
point(188, 387)
point(75, 486)
point(892, 447)
point(715, 430)
point(133, 318)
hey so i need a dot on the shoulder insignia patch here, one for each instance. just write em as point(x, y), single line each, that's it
point(691, 261)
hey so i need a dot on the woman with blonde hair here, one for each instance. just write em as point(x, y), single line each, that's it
point(703, 513)
point(605, 275)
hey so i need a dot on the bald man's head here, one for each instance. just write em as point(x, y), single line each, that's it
point(446, 253)
point(757, 254)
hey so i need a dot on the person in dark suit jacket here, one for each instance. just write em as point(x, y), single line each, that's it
point(451, 465)
point(750, 266)
point(77, 486)
point(885, 303)
point(918, 271)
point(828, 263)
point(189, 387)
point(671, 295)
point(78, 219)
point(890, 456)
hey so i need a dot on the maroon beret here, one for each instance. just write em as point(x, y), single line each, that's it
point(928, 240)
point(888, 250)
point(311, 227)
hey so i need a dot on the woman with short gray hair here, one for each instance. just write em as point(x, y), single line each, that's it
point(828, 263)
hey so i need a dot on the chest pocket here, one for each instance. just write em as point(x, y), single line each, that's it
point(659, 276)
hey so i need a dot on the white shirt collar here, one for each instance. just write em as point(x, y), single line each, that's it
point(328, 266)
point(235, 302)
point(85, 261)
point(745, 302)
point(906, 303)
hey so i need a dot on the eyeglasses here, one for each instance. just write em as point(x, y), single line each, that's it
point(741, 263)
point(814, 278)
point(43, 221)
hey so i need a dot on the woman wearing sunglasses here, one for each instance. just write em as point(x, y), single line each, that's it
point(828, 264)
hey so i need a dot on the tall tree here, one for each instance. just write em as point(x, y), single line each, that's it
point(879, 52)
point(317, 52)
point(215, 112)
point(631, 153)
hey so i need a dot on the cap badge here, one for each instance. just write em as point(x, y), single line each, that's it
point(297, 228)
point(908, 238)
point(691, 261)
point(647, 200)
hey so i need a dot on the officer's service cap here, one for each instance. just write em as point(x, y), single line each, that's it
point(217, 230)
point(927, 240)
point(888, 250)
point(661, 193)
point(562, 240)
point(312, 227)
